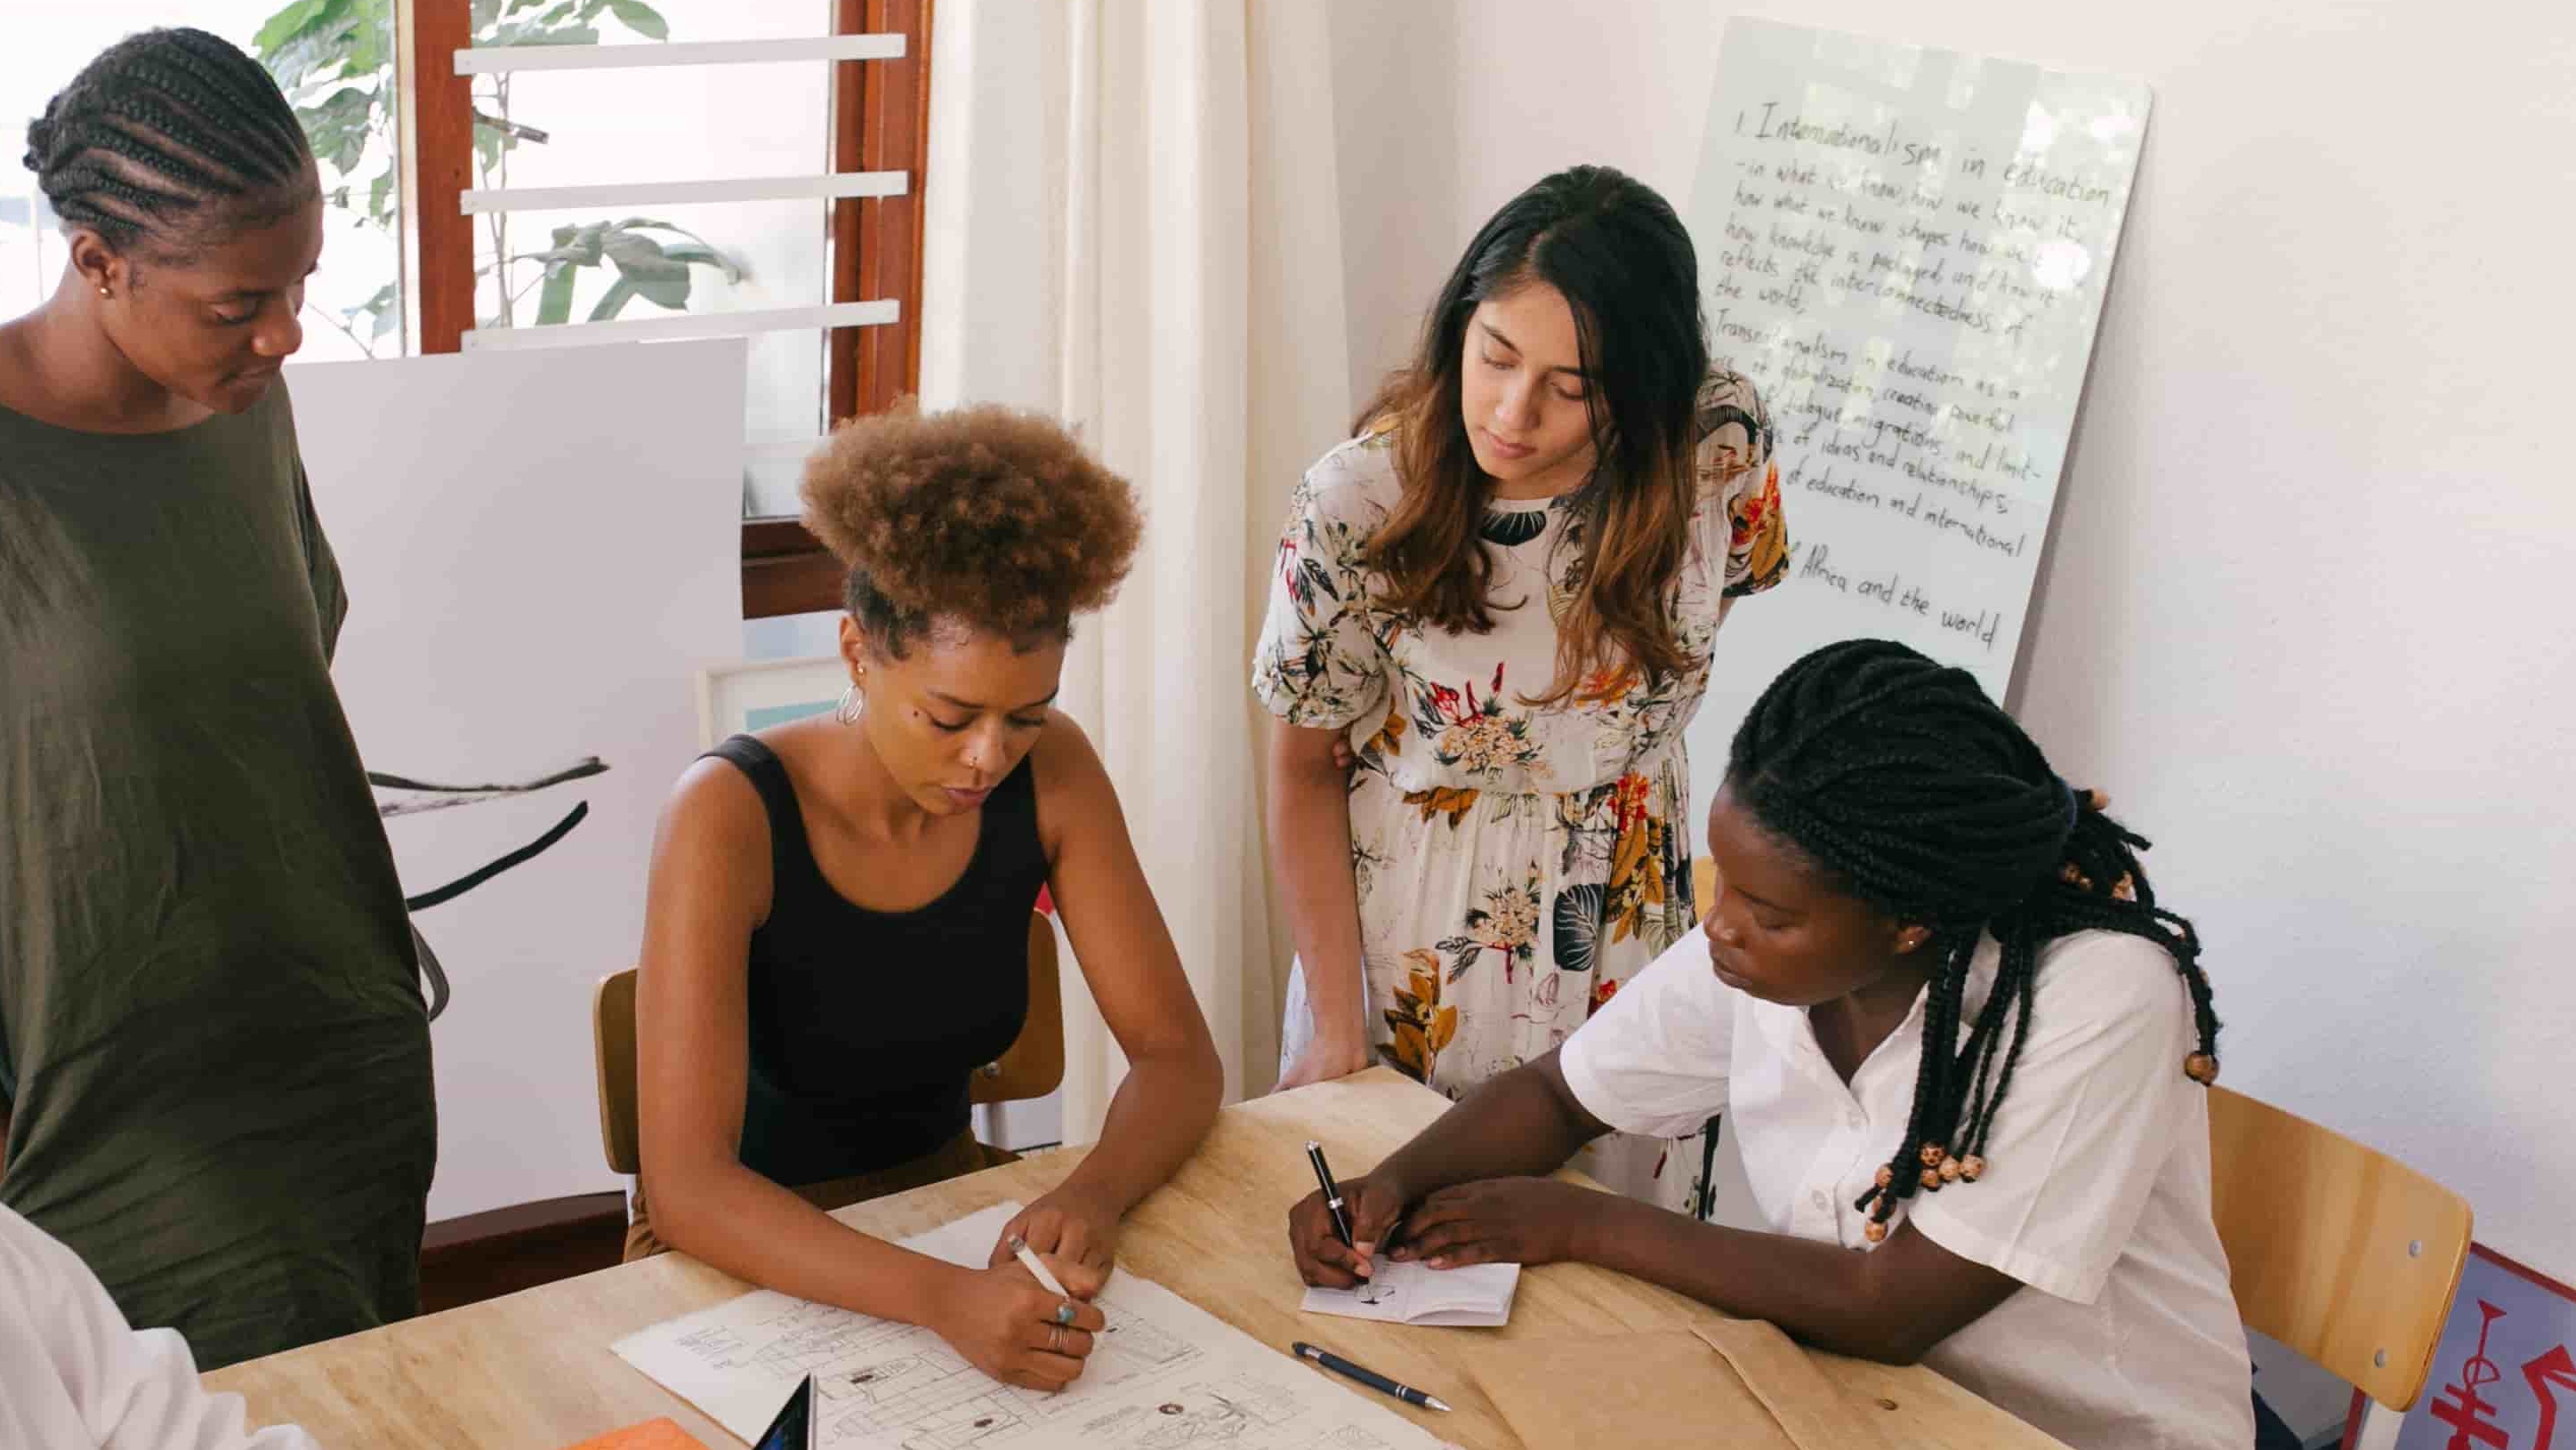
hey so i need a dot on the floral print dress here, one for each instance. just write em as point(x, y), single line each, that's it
point(1515, 863)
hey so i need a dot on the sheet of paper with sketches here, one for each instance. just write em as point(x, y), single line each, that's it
point(1478, 1296)
point(1164, 1375)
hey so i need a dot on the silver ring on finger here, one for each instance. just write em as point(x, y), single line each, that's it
point(1055, 1338)
point(1064, 1312)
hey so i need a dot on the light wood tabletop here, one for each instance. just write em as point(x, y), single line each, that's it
point(534, 1371)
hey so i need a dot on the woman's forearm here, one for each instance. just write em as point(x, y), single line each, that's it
point(738, 1221)
point(1820, 1294)
point(1523, 1123)
point(1310, 848)
point(1155, 1122)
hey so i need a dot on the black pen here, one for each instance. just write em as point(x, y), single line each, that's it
point(1332, 1194)
point(1368, 1377)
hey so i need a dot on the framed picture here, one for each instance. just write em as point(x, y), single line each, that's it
point(2503, 1374)
point(733, 699)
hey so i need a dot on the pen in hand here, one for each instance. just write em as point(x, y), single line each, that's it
point(1332, 1194)
point(1037, 1267)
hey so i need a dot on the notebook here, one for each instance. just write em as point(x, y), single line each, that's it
point(1477, 1297)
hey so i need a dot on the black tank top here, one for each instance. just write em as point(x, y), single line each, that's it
point(865, 1025)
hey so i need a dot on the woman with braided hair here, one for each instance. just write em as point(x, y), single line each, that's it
point(1899, 866)
point(214, 1057)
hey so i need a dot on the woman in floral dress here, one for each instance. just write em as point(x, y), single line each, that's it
point(1492, 617)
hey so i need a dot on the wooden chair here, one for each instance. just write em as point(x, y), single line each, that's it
point(2344, 1255)
point(1032, 1068)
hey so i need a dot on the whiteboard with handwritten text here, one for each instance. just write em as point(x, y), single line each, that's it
point(1907, 249)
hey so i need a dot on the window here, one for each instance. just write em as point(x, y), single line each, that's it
point(598, 170)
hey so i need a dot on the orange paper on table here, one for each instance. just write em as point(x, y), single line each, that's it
point(664, 1434)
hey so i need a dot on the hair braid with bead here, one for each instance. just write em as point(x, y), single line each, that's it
point(1915, 793)
point(165, 134)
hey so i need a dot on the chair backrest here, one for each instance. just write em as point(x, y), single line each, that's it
point(1032, 1068)
point(1034, 1065)
point(2343, 1254)
point(612, 1048)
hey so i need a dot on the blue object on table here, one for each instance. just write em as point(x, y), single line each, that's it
point(1368, 1377)
point(794, 1427)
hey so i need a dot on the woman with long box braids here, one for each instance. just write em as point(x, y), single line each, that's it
point(1962, 1047)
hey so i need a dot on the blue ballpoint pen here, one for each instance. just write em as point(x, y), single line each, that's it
point(1368, 1377)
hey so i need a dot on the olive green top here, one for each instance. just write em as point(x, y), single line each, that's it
point(212, 1037)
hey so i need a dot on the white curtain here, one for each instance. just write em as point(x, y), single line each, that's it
point(1132, 223)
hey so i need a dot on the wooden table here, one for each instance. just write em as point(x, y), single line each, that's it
point(534, 1371)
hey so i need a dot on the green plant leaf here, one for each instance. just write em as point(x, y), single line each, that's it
point(734, 268)
point(640, 260)
point(338, 128)
point(371, 38)
point(641, 18)
point(574, 246)
point(705, 256)
point(283, 26)
point(484, 13)
point(613, 302)
point(381, 307)
point(531, 32)
point(380, 193)
point(554, 295)
point(321, 46)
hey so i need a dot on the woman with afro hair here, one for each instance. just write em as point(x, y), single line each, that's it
point(837, 927)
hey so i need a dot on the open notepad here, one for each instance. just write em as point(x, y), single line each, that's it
point(1478, 1296)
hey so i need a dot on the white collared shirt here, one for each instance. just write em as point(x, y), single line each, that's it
point(2095, 1194)
point(74, 1374)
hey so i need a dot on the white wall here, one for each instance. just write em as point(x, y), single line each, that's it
point(2298, 615)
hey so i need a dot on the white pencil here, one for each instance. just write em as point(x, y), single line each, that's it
point(1037, 1266)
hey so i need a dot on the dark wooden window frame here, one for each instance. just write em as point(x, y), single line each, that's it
point(880, 122)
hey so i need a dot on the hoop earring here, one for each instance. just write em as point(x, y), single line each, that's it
point(847, 712)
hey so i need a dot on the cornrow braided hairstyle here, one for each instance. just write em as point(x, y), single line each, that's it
point(163, 131)
point(1917, 794)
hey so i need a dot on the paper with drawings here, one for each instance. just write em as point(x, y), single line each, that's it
point(1411, 1292)
point(1164, 1375)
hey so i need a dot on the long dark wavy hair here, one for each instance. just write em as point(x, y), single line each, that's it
point(1620, 257)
